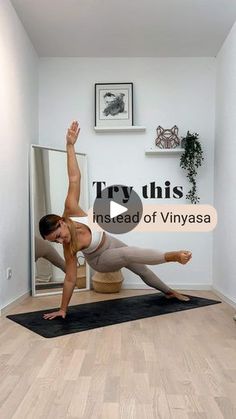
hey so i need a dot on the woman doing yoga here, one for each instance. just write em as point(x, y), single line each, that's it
point(103, 252)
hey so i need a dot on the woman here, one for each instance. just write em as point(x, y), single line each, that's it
point(103, 252)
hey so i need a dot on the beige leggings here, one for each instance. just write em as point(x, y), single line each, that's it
point(44, 249)
point(114, 255)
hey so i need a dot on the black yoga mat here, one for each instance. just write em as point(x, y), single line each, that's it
point(105, 313)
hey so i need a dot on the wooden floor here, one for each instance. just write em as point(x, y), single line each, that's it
point(180, 365)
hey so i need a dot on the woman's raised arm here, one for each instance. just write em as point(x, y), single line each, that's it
point(74, 175)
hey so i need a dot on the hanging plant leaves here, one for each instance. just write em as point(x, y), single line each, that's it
point(190, 160)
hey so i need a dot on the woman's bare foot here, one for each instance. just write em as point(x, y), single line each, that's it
point(182, 256)
point(174, 294)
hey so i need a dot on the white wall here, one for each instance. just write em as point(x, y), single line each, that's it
point(167, 91)
point(19, 124)
point(225, 175)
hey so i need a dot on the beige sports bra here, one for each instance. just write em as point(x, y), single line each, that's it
point(96, 236)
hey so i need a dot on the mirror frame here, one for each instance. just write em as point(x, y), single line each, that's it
point(32, 222)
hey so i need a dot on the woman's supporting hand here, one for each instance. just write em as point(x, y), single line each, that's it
point(72, 133)
point(50, 316)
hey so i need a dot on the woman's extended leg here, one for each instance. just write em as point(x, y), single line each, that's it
point(116, 255)
point(151, 279)
point(119, 257)
point(43, 249)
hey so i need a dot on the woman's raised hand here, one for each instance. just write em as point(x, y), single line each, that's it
point(72, 133)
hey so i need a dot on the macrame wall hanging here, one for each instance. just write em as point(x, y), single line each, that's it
point(167, 138)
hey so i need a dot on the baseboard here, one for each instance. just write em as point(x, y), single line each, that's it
point(229, 300)
point(141, 286)
point(14, 303)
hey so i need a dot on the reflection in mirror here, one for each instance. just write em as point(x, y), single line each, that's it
point(49, 185)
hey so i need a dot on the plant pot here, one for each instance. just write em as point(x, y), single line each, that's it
point(81, 277)
point(109, 282)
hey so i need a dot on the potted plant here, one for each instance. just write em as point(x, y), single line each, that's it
point(190, 160)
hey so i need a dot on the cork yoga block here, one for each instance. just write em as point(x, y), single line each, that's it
point(108, 282)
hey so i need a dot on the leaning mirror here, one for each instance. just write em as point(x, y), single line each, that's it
point(49, 185)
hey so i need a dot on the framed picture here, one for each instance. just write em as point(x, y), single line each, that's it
point(113, 104)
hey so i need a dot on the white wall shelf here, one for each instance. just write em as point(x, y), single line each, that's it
point(132, 128)
point(156, 150)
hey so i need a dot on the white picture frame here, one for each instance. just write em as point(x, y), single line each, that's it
point(113, 104)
